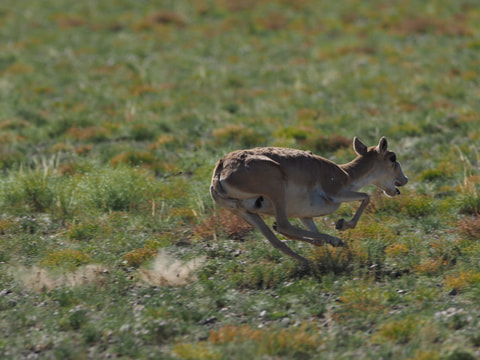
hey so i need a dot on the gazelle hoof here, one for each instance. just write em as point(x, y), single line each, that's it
point(340, 225)
point(336, 242)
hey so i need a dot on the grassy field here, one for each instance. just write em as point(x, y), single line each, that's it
point(112, 116)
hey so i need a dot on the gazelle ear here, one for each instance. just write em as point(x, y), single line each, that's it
point(359, 147)
point(382, 145)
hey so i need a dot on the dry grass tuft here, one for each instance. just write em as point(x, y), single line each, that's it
point(89, 133)
point(461, 280)
point(273, 21)
point(160, 18)
point(319, 143)
point(167, 18)
point(469, 199)
point(5, 226)
point(330, 259)
point(133, 158)
point(431, 266)
point(223, 221)
point(238, 5)
point(425, 25)
point(399, 331)
point(470, 227)
point(360, 301)
point(65, 21)
point(84, 149)
point(236, 133)
point(269, 342)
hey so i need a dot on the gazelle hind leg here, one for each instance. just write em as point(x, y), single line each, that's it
point(257, 222)
point(315, 238)
point(284, 227)
point(309, 224)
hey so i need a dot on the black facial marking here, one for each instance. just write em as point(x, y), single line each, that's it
point(258, 202)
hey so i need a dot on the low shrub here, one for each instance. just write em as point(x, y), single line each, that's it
point(237, 134)
point(460, 280)
point(89, 133)
point(268, 342)
point(116, 189)
point(260, 275)
point(134, 158)
point(418, 206)
point(361, 301)
point(67, 258)
point(321, 144)
point(199, 351)
point(32, 190)
point(137, 257)
point(84, 230)
point(312, 139)
point(469, 196)
point(328, 259)
point(432, 174)
point(142, 132)
point(399, 331)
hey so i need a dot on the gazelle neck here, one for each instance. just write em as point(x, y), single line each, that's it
point(359, 171)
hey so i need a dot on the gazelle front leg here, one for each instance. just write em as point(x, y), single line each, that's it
point(342, 224)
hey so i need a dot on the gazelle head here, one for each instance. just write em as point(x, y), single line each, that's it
point(387, 174)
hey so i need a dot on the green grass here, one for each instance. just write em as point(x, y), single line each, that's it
point(112, 116)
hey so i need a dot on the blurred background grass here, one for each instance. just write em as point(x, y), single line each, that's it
point(113, 114)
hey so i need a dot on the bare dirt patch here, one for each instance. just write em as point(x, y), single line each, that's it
point(38, 279)
point(168, 271)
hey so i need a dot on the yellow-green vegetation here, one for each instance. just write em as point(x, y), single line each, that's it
point(112, 116)
point(69, 258)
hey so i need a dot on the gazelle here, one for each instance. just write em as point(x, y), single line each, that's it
point(289, 183)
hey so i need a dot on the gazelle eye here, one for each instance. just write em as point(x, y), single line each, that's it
point(393, 158)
